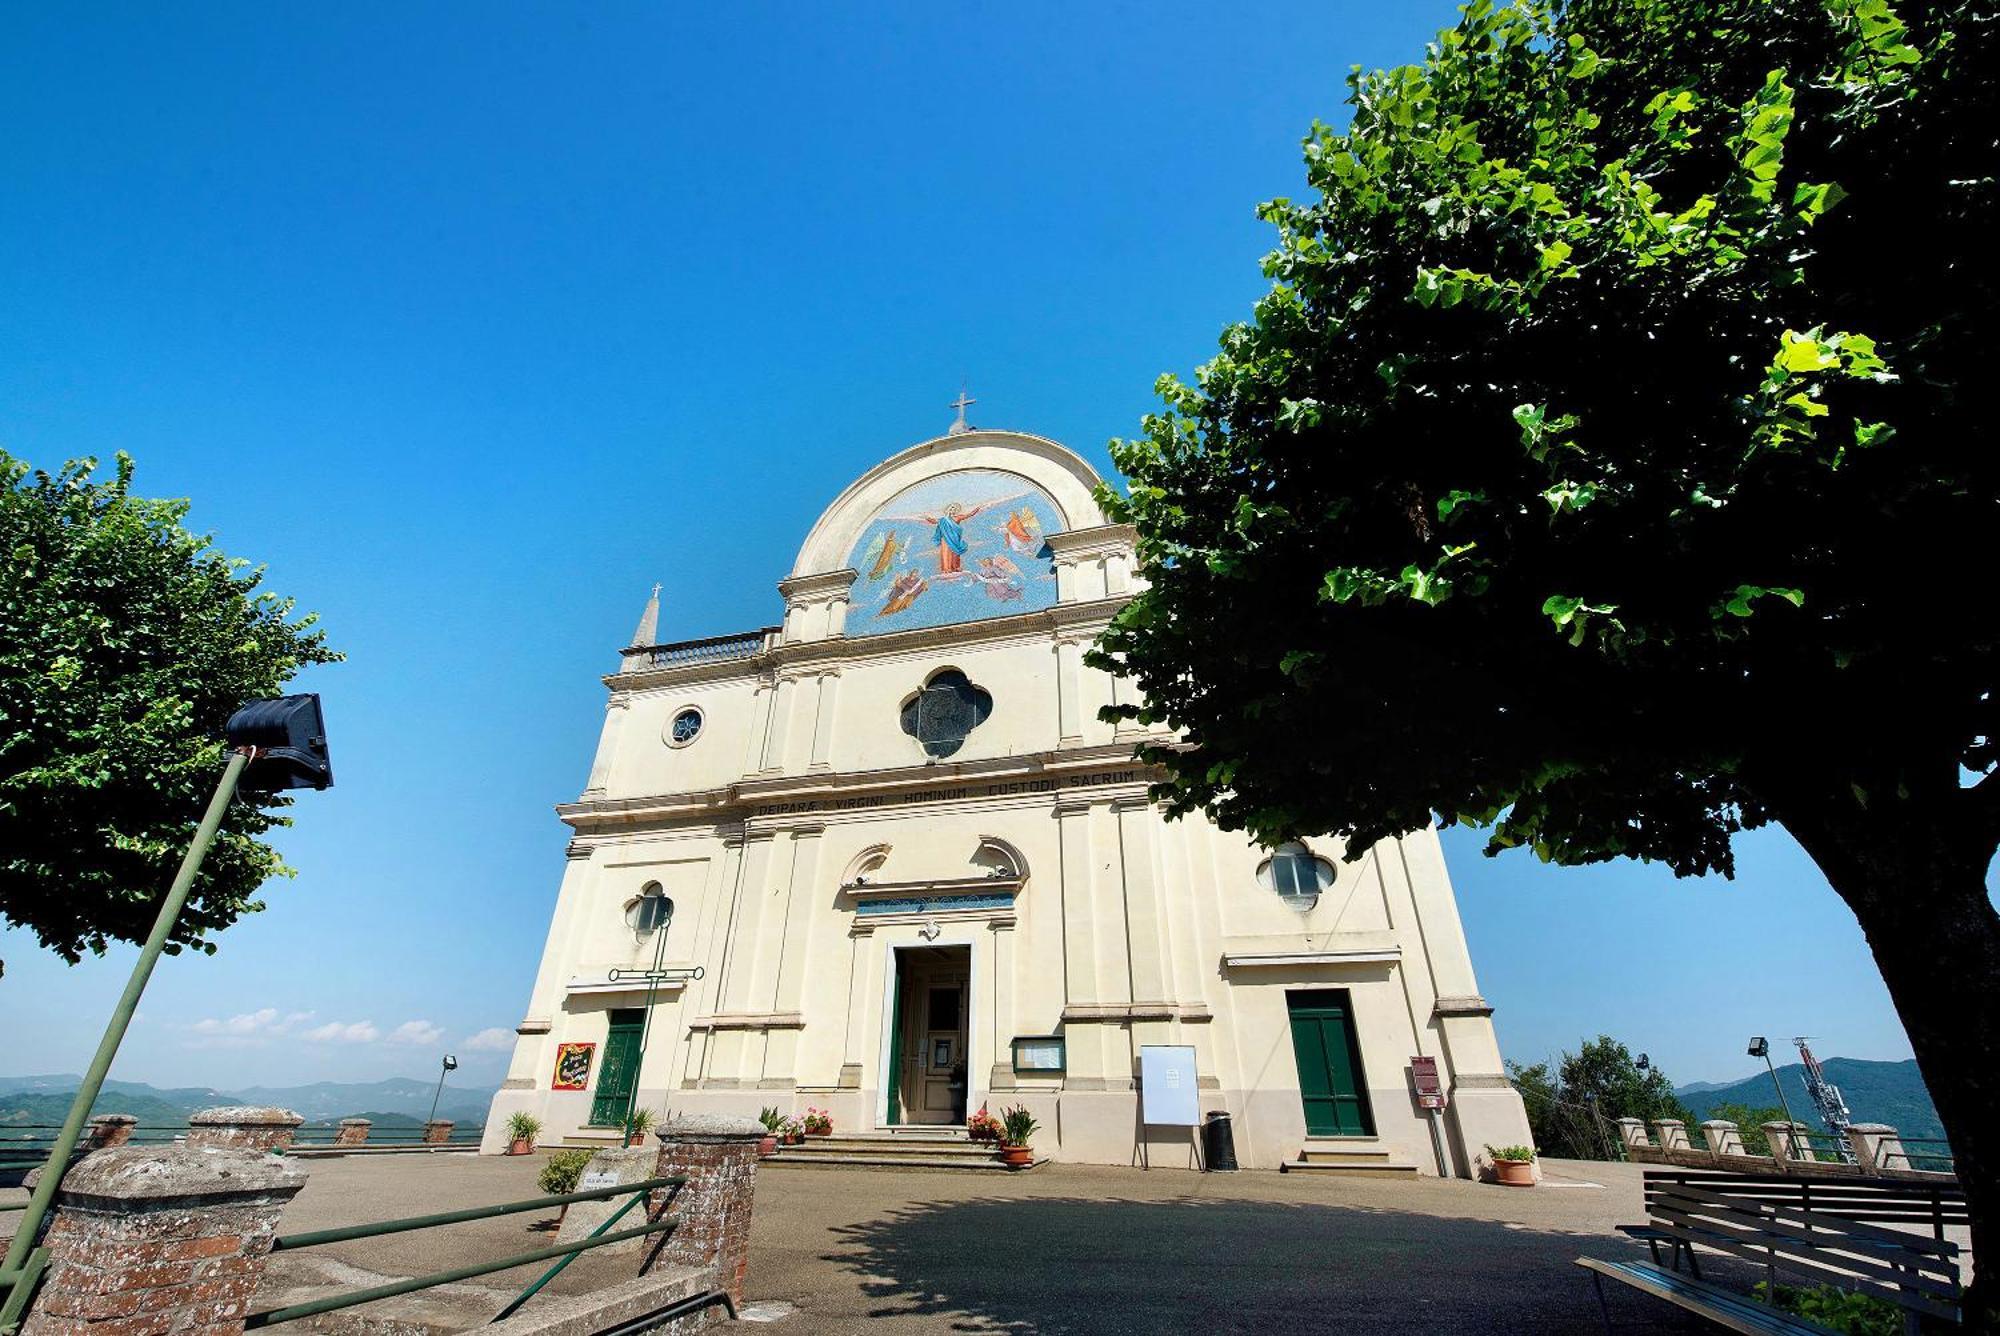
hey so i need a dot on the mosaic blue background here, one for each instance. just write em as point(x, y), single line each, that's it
point(905, 580)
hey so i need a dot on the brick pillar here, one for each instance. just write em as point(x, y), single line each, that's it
point(353, 1132)
point(1673, 1133)
point(243, 1127)
point(437, 1131)
point(149, 1240)
point(108, 1130)
point(718, 1155)
point(1723, 1137)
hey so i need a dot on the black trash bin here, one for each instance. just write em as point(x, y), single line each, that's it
point(1218, 1142)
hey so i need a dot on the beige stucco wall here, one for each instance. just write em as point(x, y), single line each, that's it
point(1124, 930)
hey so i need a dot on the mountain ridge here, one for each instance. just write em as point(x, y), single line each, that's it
point(1875, 1091)
point(46, 1098)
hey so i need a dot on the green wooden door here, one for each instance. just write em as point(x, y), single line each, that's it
point(893, 1111)
point(1330, 1079)
point(619, 1072)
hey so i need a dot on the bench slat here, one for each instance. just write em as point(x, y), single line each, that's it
point(1718, 1305)
point(1806, 1221)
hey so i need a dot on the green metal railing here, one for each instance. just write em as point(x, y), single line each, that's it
point(562, 1253)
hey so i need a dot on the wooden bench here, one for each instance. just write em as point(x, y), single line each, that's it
point(1873, 1201)
point(1919, 1274)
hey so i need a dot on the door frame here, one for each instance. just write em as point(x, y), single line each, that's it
point(974, 976)
point(618, 1029)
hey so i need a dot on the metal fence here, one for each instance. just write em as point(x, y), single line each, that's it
point(1939, 1160)
point(714, 649)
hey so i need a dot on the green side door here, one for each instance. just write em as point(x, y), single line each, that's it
point(619, 1072)
point(892, 1114)
point(1329, 1057)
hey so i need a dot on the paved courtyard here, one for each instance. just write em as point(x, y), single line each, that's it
point(1065, 1249)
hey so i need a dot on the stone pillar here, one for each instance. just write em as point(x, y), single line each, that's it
point(1672, 1132)
point(1722, 1136)
point(244, 1127)
point(353, 1132)
point(437, 1131)
point(1784, 1147)
point(718, 1155)
point(1877, 1147)
point(148, 1240)
point(1632, 1132)
point(108, 1130)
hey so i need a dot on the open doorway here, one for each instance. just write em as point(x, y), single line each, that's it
point(928, 1062)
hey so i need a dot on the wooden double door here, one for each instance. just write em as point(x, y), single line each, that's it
point(1331, 1082)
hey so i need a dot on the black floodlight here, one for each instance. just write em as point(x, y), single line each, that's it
point(450, 1063)
point(1643, 1063)
point(289, 738)
point(1758, 1048)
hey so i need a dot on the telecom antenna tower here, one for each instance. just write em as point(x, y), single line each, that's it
point(1825, 1094)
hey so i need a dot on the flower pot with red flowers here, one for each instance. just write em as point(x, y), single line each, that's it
point(1513, 1166)
point(984, 1128)
point(794, 1133)
point(522, 1129)
point(818, 1123)
point(1018, 1128)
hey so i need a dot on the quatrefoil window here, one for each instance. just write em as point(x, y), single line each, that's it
point(948, 708)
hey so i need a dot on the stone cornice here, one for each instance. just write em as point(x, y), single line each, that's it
point(1064, 618)
point(1097, 541)
point(804, 588)
point(1059, 773)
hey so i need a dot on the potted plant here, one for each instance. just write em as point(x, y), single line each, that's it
point(773, 1121)
point(1019, 1126)
point(793, 1131)
point(984, 1127)
point(636, 1126)
point(561, 1174)
point(522, 1129)
point(818, 1122)
point(1514, 1166)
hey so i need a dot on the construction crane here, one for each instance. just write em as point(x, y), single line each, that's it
point(1825, 1094)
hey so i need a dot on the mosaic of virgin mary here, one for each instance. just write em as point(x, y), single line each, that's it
point(954, 548)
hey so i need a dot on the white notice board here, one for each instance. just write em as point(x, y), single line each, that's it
point(1167, 1085)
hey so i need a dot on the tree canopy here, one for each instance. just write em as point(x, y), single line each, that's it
point(125, 644)
point(1571, 1108)
point(1609, 440)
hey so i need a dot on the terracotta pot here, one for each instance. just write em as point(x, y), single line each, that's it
point(768, 1146)
point(819, 1132)
point(636, 1139)
point(795, 1139)
point(521, 1146)
point(1515, 1173)
point(1017, 1156)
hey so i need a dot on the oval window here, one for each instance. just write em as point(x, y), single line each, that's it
point(685, 728)
point(651, 912)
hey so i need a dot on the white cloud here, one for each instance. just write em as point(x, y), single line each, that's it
point(416, 1032)
point(491, 1040)
point(248, 1029)
point(335, 1032)
point(249, 1023)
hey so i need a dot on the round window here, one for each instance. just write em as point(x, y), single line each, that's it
point(1296, 874)
point(685, 728)
point(650, 912)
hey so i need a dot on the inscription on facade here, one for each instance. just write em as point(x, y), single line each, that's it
point(998, 790)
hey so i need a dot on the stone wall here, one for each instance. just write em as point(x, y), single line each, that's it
point(1876, 1148)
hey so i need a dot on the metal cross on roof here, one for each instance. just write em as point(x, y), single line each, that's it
point(961, 403)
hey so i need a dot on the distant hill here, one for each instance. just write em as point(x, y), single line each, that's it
point(45, 1100)
point(1876, 1092)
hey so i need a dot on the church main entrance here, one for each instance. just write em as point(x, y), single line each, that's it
point(928, 1063)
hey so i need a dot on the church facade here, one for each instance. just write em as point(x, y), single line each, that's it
point(883, 859)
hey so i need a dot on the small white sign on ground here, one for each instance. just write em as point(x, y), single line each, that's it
point(1167, 1089)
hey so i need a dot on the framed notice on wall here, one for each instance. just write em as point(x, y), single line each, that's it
point(1167, 1089)
point(573, 1066)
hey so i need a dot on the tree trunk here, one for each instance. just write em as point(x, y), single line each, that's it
point(1917, 885)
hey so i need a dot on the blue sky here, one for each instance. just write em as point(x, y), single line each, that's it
point(473, 321)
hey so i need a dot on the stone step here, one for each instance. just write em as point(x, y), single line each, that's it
point(1383, 1168)
point(944, 1164)
point(887, 1146)
point(1331, 1155)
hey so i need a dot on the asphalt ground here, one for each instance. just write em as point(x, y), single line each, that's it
point(1063, 1249)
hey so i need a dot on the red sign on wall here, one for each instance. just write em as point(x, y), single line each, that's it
point(1430, 1091)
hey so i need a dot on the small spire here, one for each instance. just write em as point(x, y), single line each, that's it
point(960, 426)
point(648, 633)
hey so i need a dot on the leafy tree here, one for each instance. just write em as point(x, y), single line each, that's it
point(1608, 465)
point(125, 643)
point(1571, 1109)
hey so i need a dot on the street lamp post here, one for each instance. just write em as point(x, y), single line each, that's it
point(1761, 1048)
point(450, 1065)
